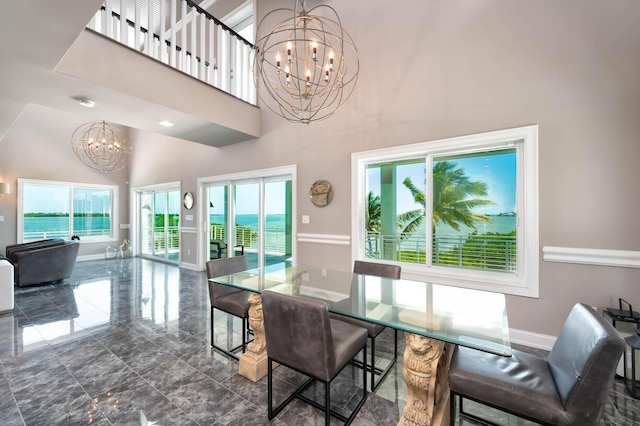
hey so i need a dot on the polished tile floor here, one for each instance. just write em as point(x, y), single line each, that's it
point(126, 342)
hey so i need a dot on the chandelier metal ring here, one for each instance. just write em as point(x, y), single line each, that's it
point(101, 146)
point(307, 65)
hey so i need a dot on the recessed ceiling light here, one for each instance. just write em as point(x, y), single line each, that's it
point(85, 102)
point(165, 123)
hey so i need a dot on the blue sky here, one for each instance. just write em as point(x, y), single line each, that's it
point(497, 171)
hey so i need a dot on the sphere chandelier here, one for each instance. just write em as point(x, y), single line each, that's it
point(307, 66)
point(101, 146)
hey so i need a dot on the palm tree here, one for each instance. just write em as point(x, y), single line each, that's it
point(452, 202)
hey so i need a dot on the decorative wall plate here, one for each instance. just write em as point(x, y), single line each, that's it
point(321, 193)
point(187, 200)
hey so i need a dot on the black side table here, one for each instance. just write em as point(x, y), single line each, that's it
point(631, 383)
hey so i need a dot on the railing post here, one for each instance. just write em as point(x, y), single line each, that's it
point(194, 43)
point(162, 56)
point(137, 30)
point(183, 38)
point(173, 50)
point(124, 33)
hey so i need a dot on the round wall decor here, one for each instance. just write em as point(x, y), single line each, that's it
point(321, 193)
point(187, 200)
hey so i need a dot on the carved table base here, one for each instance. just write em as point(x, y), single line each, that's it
point(425, 371)
point(426, 367)
point(253, 363)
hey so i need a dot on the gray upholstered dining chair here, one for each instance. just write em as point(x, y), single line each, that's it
point(301, 336)
point(229, 299)
point(374, 330)
point(569, 387)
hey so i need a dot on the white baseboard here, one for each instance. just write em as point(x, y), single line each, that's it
point(85, 257)
point(534, 340)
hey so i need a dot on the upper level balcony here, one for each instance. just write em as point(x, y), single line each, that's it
point(181, 34)
point(187, 68)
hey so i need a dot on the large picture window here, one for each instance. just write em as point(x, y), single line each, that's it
point(460, 211)
point(51, 209)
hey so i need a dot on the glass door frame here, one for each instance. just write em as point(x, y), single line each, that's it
point(136, 222)
point(263, 175)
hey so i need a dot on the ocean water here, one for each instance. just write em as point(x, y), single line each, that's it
point(273, 221)
point(58, 226)
point(498, 224)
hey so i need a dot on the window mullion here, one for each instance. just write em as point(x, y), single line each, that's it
point(429, 211)
point(71, 212)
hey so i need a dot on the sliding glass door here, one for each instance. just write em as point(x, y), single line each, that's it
point(255, 221)
point(159, 224)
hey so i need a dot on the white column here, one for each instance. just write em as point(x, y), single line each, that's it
point(183, 37)
point(148, 46)
point(124, 34)
point(172, 51)
point(193, 47)
point(108, 12)
point(211, 74)
point(136, 25)
point(202, 51)
point(162, 55)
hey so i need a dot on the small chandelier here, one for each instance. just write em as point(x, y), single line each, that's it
point(307, 64)
point(101, 146)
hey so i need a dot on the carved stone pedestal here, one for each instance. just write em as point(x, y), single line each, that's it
point(253, 363)
point(426, 367)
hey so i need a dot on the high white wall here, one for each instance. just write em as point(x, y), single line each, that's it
point(432, 69)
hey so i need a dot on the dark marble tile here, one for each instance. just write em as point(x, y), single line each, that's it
point(9, 411)
point(203, 399)
point(127, 403)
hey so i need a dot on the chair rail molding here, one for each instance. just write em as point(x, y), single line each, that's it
point(338, 240)
point(600, 257)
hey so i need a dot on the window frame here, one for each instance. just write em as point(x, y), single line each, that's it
point(525, 139)
point(71, 186)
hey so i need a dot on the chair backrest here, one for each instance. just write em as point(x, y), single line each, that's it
point(298, 333)
point(220, 267)
point(377, 269)
point(583, 362)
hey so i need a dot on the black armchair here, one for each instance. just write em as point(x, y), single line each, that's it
point(229, 299)
point(301, 336)
point(569, 387)
point(374, 330)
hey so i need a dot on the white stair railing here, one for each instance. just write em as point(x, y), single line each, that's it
point(183, 36)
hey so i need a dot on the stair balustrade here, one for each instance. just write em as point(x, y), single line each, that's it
point(181, 34)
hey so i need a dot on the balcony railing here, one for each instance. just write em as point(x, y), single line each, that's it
point(274, 238)
point(488, 252)
point(184, 37)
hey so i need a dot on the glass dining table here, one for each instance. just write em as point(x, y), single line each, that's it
point(434, 318)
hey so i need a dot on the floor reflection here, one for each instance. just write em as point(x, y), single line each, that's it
point(125, 341)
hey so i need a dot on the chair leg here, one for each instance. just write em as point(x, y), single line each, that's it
point(452, 408)
point(244, 335)
point(395, 343)
point(212, 326)
point(373, 364)
point(269, 389)
point(327, 403)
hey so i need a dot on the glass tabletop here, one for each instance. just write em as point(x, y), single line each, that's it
point(472, 318)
